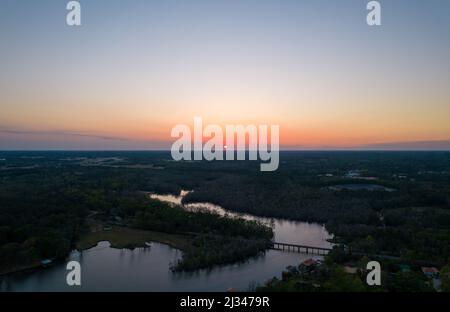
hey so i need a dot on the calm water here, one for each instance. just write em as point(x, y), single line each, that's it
point(285, 231)
point(147, 269)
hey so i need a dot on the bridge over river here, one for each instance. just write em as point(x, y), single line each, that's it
point(321, 251)
point(300, 248)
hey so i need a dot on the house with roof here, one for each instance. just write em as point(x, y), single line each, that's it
point(308, 265)
point(430, 272)
point(350, 270)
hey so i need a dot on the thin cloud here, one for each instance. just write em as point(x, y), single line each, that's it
point(62, 133)
point(438, 145)
point(413, 145)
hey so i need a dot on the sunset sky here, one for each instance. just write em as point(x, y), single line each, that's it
point(136, 68)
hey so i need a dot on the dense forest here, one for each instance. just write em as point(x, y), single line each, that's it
point(411, 220)
point(45, 206)
point(341, 272)
point(47, 197)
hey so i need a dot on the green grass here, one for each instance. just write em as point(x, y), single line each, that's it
point(121, 237)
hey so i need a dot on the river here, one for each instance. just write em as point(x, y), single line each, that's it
point(147, 269)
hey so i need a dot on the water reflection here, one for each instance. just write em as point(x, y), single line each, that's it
point(147, 269)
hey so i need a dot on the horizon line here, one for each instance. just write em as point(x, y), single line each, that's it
point(281, 150)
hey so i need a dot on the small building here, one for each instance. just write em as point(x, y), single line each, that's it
point(46, 262)
point(352, 174)
point(350, 270)
point(405, 268)
point(309, 263)
point(430, 272)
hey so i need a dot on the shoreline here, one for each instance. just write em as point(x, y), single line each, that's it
point(121, 237)
point(21, 269)
point(118, 238)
